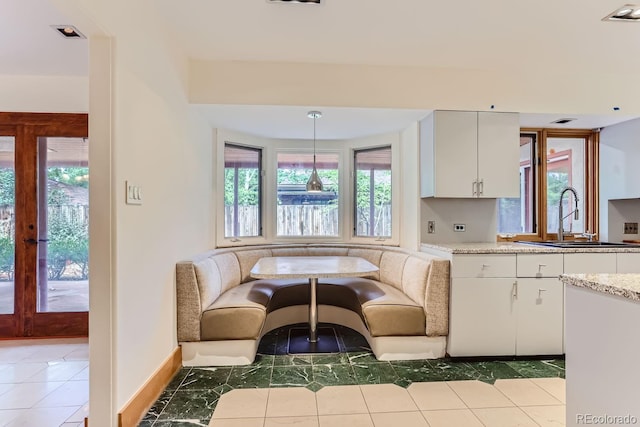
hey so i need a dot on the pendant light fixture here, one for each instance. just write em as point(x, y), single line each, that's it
point(314, 185)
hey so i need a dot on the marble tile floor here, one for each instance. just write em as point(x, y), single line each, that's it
point(198, 396)
point(44, 382)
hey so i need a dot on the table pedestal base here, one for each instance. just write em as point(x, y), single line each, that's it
point(299, 341)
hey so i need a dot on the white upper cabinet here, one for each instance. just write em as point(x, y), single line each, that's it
point(470, 154)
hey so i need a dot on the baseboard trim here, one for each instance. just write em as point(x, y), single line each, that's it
point(133, 411)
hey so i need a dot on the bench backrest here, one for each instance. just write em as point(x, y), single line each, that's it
point(201, 279)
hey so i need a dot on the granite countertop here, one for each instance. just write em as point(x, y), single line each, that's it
point(624, 285)
point(514, 248)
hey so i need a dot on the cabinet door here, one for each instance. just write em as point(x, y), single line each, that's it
point(589, 263)
point(499, 154)
point(455, 136)
point(628, 262)
point(483, 319)
point(540, 326)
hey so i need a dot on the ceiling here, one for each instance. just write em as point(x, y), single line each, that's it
point(567, 36)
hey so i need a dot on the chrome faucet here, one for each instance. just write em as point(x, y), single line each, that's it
point(560, 216)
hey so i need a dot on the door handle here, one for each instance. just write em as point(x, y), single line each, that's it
point(481, 187)
point(474, 186)
point(34, 241)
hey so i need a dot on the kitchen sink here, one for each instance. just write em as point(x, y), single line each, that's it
point(580, 244)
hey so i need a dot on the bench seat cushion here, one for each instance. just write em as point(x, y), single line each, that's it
point(386, 310)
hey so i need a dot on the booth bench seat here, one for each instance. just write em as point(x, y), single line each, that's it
point(402, 310)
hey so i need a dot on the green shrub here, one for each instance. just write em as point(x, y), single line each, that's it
point(68, 244)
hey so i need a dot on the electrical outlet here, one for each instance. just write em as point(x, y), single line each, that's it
point(431, 227)
point(459, 227)
point(630, 228)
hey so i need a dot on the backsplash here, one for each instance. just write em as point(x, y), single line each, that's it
point(621, 211)
point(479, 217)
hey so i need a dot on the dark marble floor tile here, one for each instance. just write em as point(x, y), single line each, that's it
point(536, 368)
point(250, 376)
point(178, 378)
point(205, 378)
point(447, 370)
point(559, 363)
point(180, 423)
point(328, 375)
point(147, 423)
point(361, 357)
point(492, 371)
point(190, 406)
point(330, 359)
point(355, 343)
point(268, 343)
point(292, 360)
point(402, 382)
point(291, 376)
point(159, 405)
point(314, 386)
point(263, 360)
point(375, 373)
point(222, 389)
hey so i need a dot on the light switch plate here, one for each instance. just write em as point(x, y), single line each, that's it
point(133, 194)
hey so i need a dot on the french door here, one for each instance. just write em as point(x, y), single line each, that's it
point(44, 201)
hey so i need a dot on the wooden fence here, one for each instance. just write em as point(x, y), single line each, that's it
point(70, 213)
point(304, 220)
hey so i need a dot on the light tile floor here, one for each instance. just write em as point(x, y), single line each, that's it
point(44, 382)
point(507, 403)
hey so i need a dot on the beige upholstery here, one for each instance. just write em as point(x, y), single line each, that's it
point(218, 300)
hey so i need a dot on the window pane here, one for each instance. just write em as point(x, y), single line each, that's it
point(63, 201)
point(299, 212)
point(242, 191)
point(517, 215)
point(7, 223)
point(565, 167)
point(373, 192)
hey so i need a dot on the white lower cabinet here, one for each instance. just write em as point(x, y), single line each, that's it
point(628, 262)
point(506, 315)
point(483, 319)
point(540, 307)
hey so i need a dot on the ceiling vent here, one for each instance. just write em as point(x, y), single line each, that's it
point(68, 31)
point(628, 13)
point(562, 121)
point(295, 1)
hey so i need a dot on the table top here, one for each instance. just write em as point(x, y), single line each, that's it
point(311, 267)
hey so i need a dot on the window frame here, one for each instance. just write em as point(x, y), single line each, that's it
point(591, 171)
point(260, 189)
point(354, 190)
point(221, 239)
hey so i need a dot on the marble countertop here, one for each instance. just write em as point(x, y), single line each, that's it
point(311, 267)
point(624, 285)
point(514, 248)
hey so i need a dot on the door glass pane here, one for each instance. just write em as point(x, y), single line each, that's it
point(516, 215)
point(373, 192)
point(301, 213)
point(63, 224)
point(242, 216)
point(565, 167)
point(7, 223)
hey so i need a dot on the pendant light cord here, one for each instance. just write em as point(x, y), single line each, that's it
point(314, 141)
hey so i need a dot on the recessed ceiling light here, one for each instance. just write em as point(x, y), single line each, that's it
point(628, 12)
point(68, 31)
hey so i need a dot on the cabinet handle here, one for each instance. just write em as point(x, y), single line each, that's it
point(485, 266)
point(540, 266)
point(474, 188)
point(514, 291)
point(481, 187)
point(540, 291)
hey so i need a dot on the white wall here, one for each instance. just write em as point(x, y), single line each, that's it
point(619, 177)
point(479, 216)
point(410, 184)
point(148, 134)
point(340, 85)
point(44, 94)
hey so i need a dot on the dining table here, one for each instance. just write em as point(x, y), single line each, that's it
point(312, 268)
